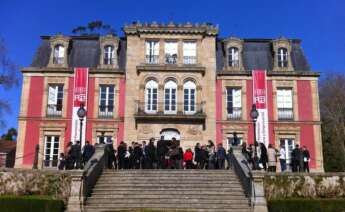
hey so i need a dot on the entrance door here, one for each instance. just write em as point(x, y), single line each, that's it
point(169, 134)
point(289, 144)
point(51, 151)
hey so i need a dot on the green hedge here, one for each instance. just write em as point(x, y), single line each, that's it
point(30, 203)
point(306, 205)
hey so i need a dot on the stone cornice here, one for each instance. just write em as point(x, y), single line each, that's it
point(271, 73)
point(137, 28)
point(70, 70)
point(171, 68)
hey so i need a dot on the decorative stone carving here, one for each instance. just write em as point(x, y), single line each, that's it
point(146, 129)
point(193, 130)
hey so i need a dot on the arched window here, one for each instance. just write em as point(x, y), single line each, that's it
point(233, 57)
point(170, 88)
point(151, 90)
point(59, 54)
point(109, 55)
point(282, 57)
point(189, 96)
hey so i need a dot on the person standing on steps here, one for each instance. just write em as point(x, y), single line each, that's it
point(198, 157)
point(211, 155)
point(188, 158)
point(282, 158)
point(221, 155)
point(76, 155)
point(306, 159)
point(88, 151)
point(272, 158)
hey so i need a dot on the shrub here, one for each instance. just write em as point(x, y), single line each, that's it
point(30, 203)
point(303, 205)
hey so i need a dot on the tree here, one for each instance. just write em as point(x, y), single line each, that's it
point(94, 28)
point(11, 135)
point(332, 106)
point(8, 79)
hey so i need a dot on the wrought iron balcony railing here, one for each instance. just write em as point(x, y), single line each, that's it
point(285, 114)
point(54, 110)
point(152, 59)
point(162, 109)
point(171, 59)
point(105, 111)
point(189, 60)
point(235, 113)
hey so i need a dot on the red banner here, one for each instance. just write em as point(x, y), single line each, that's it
point(260, 99)
point(81, 76)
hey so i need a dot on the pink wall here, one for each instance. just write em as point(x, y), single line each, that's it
point(249, 90)
point(270, 111)
point(33, 123)
point(90, 109)
point(121, 111)
point(69, 110)
point(219, 136)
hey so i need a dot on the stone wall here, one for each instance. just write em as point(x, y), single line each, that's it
point(296, 185)
point(35, 182)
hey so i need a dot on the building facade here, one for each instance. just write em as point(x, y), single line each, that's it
point(164, 81)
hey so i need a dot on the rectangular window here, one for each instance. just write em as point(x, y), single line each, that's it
point(55, 100)
point(171, 52)
point(106, 101)
point(152, 52)
point(51, 151)
point(189, 52)
point(170, 101)
point(234, 103)
point(151, 100)
point(284, 104)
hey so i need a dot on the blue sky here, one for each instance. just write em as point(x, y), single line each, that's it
point(320, 24)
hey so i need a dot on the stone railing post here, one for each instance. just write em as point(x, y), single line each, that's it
point(258, 192)
point(76, 198)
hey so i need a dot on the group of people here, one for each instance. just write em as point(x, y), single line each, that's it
point(165, 155)
point(75, 157)
point(261, 157)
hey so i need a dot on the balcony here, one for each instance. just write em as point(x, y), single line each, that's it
point(152, 59)
point(189, 60)
point(105, 111)
point(235, 114)
point(178, 113)
point(54, 110)
point(170, 59)
point(285, 114)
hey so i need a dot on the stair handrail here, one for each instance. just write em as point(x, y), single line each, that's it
point(93, 169)
point(244, 173)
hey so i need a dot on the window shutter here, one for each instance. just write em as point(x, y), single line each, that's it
point(236, 93)
point(52, 95)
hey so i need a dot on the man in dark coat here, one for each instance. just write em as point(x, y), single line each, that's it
point(76, 155)
point(197, 152)
point(150, 154)
point(88, 151)
point(306, 159)
point(162, 150)
point(110, 155)
point(121, 152)
point(295, 158)
point(137, 155)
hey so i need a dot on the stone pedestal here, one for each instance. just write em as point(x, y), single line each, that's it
point(76, 198)
point(258, 192)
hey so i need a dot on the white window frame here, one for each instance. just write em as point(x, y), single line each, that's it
point(51, 155)
point(109, 55)
point(59, 54)
point(152, 52)
point(189, 52)
point(108, 93)
point(171, 49)
point(151, 103)
point(170, 106)
point(233, 57)
point(236, 102)
point(285, 103)
point(189, 86)
point(55, 95)
point(283, 57)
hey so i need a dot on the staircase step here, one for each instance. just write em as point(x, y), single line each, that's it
point(102, 209)
point(187, 205)
point(199, 196)
point(138, 189)
point(216, 192)
point(167, 200)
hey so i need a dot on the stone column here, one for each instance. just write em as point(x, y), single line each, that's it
point(258, 192)
point(76, 197)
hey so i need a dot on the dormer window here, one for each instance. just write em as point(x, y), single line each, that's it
point(109, 55)
point(59, 54)
point(282, 57)
point(233, 54)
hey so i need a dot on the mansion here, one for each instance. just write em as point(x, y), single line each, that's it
point(165, 81)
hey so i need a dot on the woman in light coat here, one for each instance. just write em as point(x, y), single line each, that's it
point(272, 158)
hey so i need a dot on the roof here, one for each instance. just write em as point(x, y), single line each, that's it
point(258, 54)
point(83, 51)
point(7, 146)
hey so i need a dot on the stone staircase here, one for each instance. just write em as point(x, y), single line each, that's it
point(168, 190)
